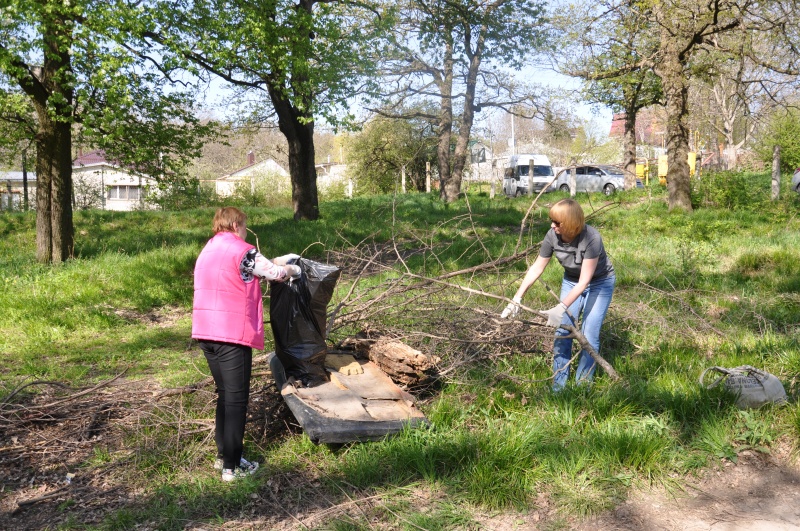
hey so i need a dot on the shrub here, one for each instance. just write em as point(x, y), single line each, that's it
point(730, 190)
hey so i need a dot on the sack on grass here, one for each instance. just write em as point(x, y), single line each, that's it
point(752, 387)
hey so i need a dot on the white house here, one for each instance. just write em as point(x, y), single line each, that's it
point(254, 171)
point(12, 190)
point(331, 173)
point(100, 183)
point(484, 164)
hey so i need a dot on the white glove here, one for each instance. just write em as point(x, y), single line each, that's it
point(293, 271)
point(512, 310)
point(554, 315)
point(283, 260)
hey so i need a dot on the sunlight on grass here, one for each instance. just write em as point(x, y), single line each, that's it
point(718, 286)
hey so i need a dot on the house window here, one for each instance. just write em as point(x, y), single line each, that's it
point(123, 192)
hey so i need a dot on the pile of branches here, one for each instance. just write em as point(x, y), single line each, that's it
point(451, 317)
point(454, 317)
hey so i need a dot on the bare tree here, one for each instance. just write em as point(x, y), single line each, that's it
point(449, 52)
point(608, 51)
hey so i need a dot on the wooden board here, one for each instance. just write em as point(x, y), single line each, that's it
point(355, 407)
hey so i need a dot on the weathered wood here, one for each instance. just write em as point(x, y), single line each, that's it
point(401, 362)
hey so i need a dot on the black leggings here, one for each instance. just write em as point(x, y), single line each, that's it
point(230, 366)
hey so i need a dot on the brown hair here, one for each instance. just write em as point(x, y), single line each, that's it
point(569, 214)
point(226, 217)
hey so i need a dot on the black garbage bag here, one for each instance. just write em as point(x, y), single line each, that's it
point(297, 315)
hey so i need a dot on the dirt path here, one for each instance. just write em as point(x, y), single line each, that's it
point(760, 493)
point(756, 494)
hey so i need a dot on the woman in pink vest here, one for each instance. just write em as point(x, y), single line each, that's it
point(228, 322)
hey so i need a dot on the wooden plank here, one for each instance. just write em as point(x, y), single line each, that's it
point(353, 407)
point(332, 401)
point(373, 384)
point(391, 410)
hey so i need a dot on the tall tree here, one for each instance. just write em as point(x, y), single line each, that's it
point(73, 62)
point(682, 29)
point(450, 51)
point(608, 51)
point(306, 56)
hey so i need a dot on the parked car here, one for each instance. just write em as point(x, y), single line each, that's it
point(796, 181)
point(594, 178)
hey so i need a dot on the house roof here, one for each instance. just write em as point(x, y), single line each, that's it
point(617, 125)
point(16, 176)
point(93, 158)
point(268, 165)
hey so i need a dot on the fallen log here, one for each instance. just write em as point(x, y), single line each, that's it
point(402, 363)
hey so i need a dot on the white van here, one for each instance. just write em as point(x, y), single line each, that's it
point(527, 174)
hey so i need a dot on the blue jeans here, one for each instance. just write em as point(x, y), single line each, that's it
point(593, 303)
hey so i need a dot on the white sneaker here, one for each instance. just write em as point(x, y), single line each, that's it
point(218, 463)
point(241, 471)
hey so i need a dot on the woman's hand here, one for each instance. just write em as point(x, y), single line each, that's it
point(554, 315)
point(283, 260)
point(293, 271)
point(512, 310)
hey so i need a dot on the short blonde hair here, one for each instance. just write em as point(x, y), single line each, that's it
point(569, 214)
point(226, 217)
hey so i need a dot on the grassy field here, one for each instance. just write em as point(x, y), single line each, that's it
point(719, 286)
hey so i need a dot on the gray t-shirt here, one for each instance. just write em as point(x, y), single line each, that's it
point(587, 244)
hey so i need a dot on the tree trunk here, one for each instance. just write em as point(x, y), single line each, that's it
point(52, 96)
point(676, 93)
point(54, 228)
point(468, 116)
point(298, 129)
point(445, 82)
point(629, 156)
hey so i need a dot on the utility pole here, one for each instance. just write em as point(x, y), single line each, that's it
point(25, 180)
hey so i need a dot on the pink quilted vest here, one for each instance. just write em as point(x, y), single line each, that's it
point(226, 308)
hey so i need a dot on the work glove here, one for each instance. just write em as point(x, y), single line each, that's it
point(554, 315)
point(294, 271)
point(512, 310)
point(343, 363)
point(283, 260)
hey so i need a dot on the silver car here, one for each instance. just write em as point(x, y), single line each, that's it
point(796, 181)
point(594, 178)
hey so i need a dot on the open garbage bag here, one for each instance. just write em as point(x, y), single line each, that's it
point(297, 314)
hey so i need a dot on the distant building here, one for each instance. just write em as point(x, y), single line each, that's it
point(252, 172)
point(484, 164)
point(12, 190)
point(100, 183)
point(649, 126)
point(330, 172)
point(617, 125)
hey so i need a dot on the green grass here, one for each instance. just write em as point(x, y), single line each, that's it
point(719, 286)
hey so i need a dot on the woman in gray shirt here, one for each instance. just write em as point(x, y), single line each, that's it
point(587, 287)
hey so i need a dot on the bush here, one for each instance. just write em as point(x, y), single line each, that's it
point(266, 190)
point(730, 190)
point(183, 194)
point(782, 129)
